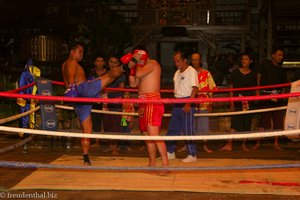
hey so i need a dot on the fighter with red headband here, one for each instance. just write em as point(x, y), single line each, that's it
point(146, 76)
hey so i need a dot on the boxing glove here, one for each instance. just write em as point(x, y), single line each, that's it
point(71, 91)
point(143, 59)
point(126, 58)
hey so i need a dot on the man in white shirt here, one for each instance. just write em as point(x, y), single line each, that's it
point(185, 86)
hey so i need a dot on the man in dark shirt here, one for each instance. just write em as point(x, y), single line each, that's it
point(270, 72)
point(97, 71)
point(112, 123)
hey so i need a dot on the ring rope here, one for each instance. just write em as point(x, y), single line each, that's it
point(196, 115)
point(12, 118)
point(240, 112)
point(14, 164)
point(218, 90)
point(166, 90)
point(125, 168)
point(21, 88)
point(135, 137)
point(17, 145)
point(202, 90)
point(139, 100)
point(101, 111)
point(58, 83)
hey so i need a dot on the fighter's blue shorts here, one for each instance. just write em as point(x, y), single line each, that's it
point(87, 89)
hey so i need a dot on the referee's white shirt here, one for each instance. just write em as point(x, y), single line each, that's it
point(184, 82)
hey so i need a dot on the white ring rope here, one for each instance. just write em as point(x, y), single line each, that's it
point(14, 117)
point(134, 137)
point(98, 111)
point(196, 115)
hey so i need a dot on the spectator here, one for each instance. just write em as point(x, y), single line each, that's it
point(126, 123)
point(270, 72)
point(206, 82)
point(241, 78)
point(97, 71)
point(112, 123)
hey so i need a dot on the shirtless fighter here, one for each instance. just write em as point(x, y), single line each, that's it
point(78, 86)
point(146, 76)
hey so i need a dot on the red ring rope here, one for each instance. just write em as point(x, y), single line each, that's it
point(207, 90)
point(166, 90)
point(58, 83)
point(21, 88)
point(215, 90)
point(137, 100)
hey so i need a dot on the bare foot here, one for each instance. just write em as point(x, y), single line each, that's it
point(245, 148)
point(161, 172)
point(182, 149)
point(277, 147)
point(226, 148)
point(207, 149)
point(124, 149)
point(107, 150)
point(95, 145)
point(256, 146)
point(142, 148)
point(87, 163)
point(115, 153)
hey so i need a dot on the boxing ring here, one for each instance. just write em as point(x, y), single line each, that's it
point(180, 173)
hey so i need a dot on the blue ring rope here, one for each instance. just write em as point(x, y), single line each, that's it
point(34, 165)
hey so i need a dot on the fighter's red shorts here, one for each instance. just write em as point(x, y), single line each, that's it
point(150, 113)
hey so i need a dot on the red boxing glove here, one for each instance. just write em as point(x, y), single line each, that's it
point(143, 58)
point(126, 58)
point(132, 71)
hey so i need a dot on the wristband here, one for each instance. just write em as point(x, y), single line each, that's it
point(134, 60)
point(132, 71)
point(125, 68)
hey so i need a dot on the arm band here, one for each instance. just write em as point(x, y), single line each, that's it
point(134, 60)
point(125, 68)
